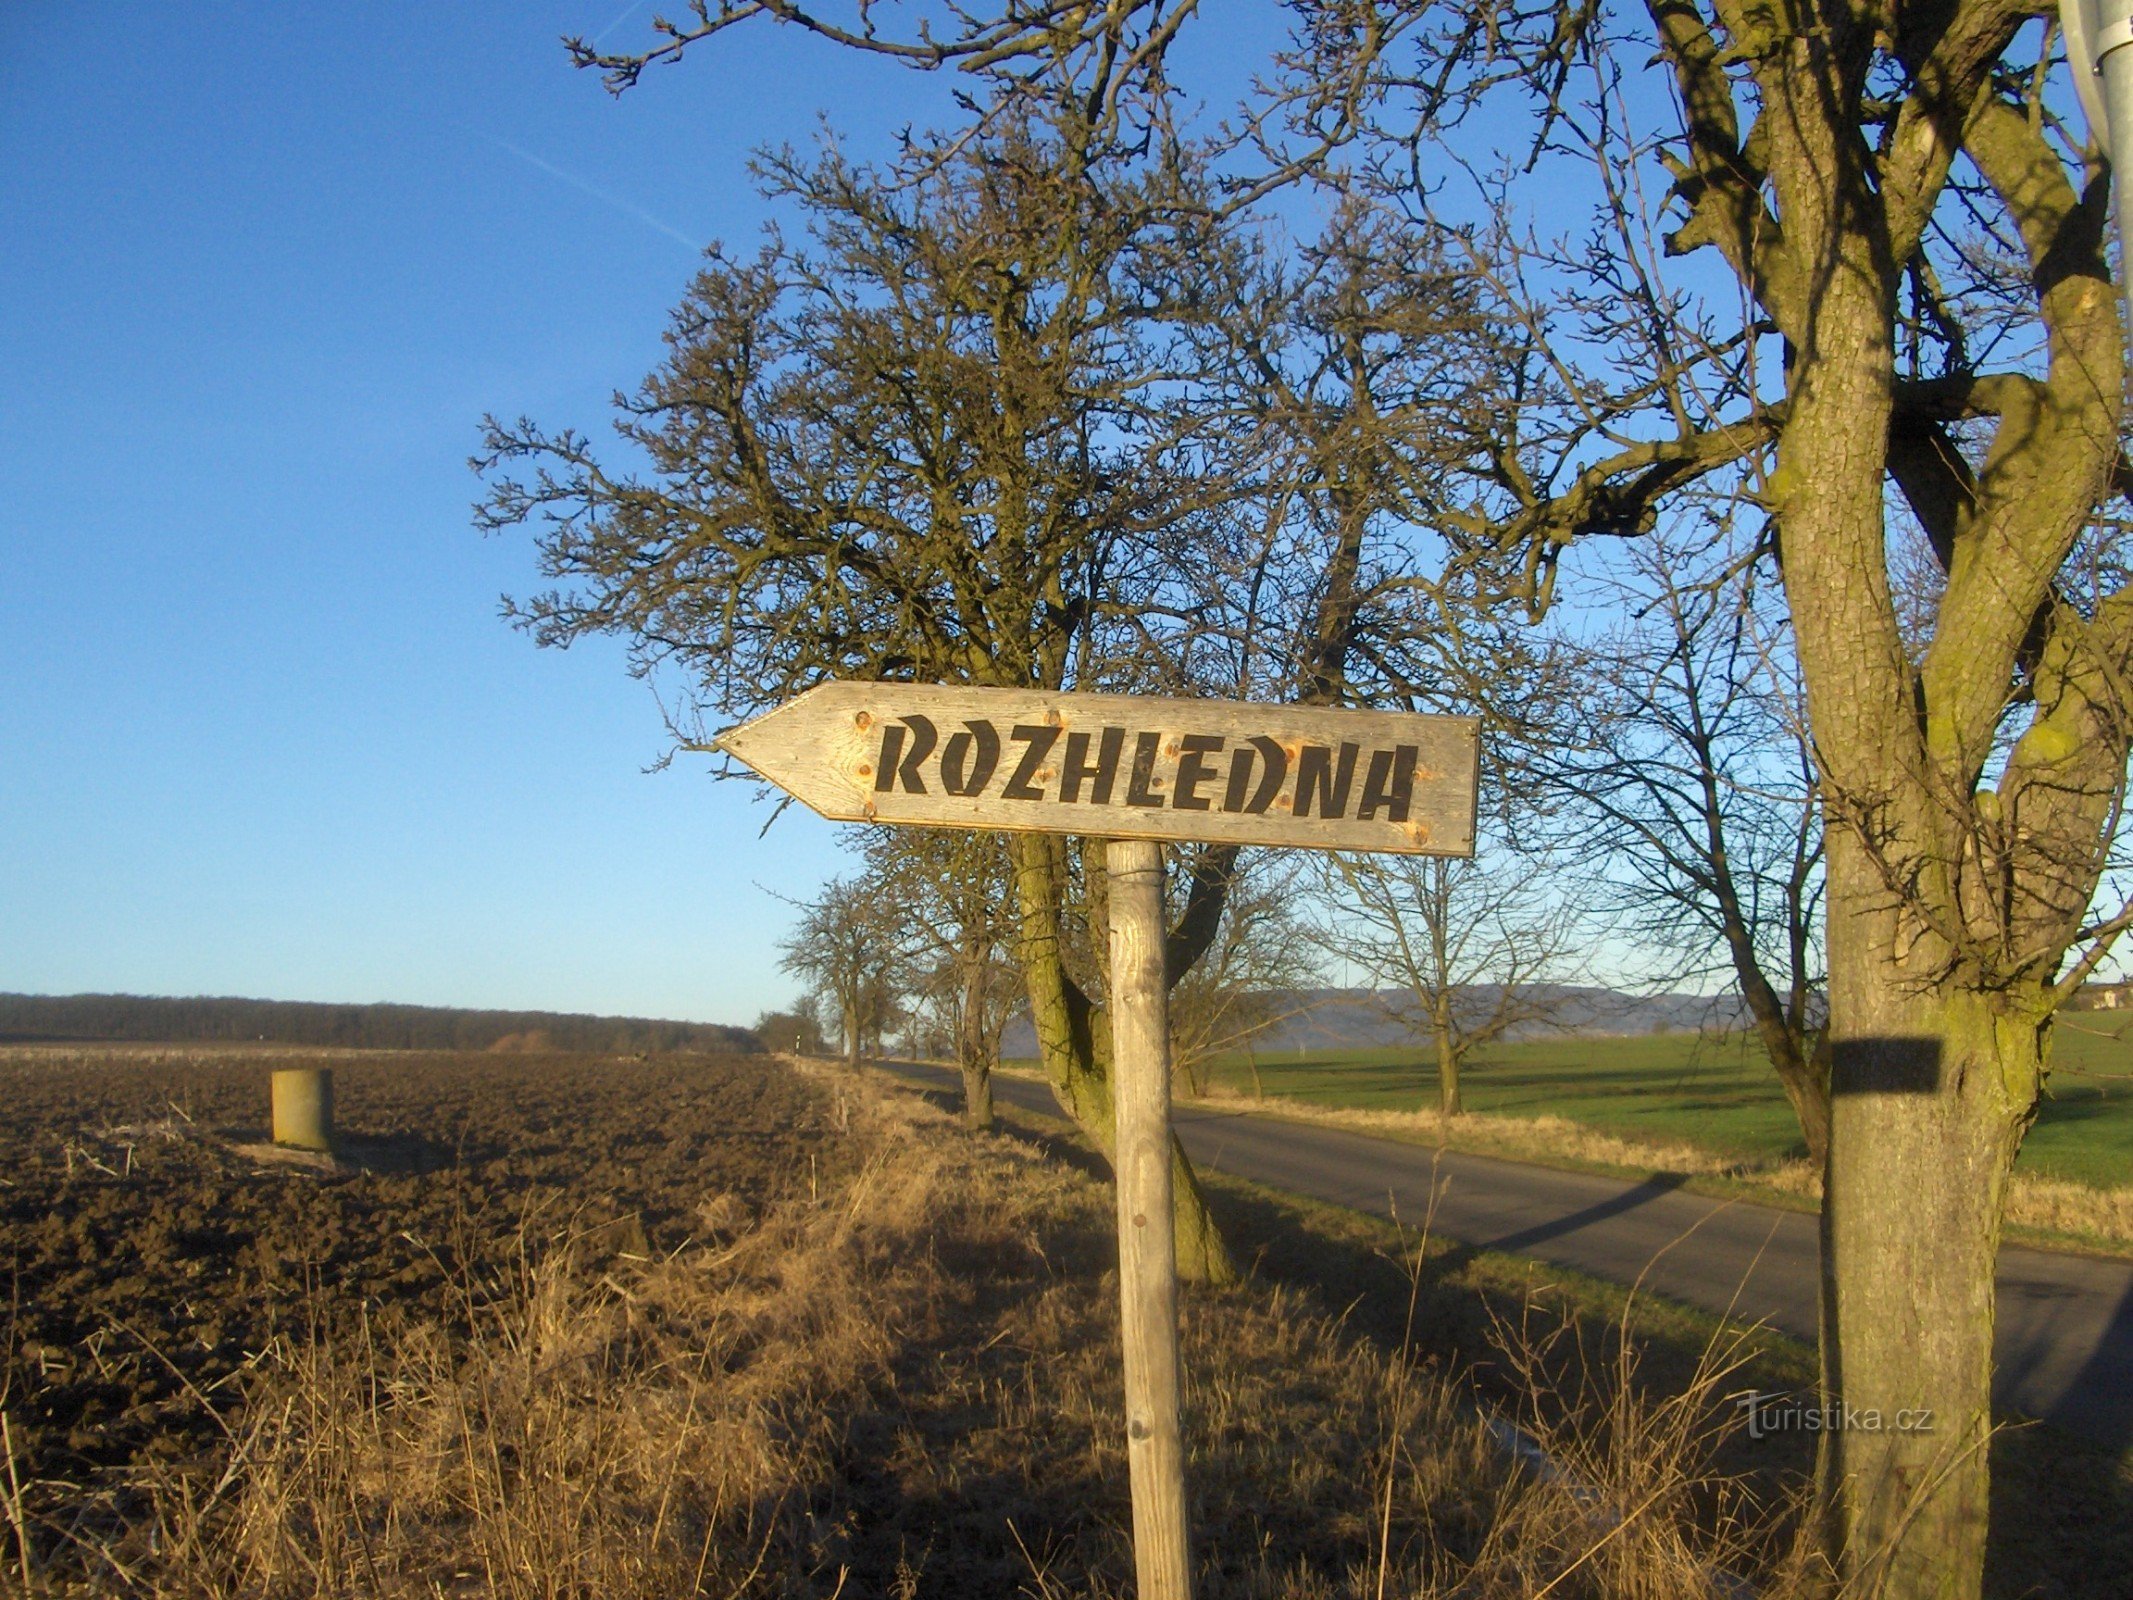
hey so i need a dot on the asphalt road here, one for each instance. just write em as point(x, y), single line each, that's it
point(2065, 1339)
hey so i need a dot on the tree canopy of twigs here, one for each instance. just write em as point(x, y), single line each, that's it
point(1687, 770)
point(951, 927)
point(1464, 954)
point(842, 951)
point(941, 440)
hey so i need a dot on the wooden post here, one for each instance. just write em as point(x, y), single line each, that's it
point(1147, 1241)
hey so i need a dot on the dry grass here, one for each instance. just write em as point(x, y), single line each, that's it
point(2039, 1204)
point(2052, 1205)
point(589, 1435)
point(905, 1383)
point(1542, 1138)
point(2043, 1205)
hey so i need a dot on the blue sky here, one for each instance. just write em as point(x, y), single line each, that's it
point(265, 267)
point(261, 731)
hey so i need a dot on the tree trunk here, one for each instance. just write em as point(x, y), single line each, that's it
point(1802, 1066)
point(977, 1096)
point(1803, 1071)
point(971, 1053)
point(1922, 1132)
point(1447, 1074)
point(1075, 1048)
point(1931, 1089)
point(1806, 1085)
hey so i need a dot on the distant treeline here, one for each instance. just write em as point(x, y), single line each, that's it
point(148, 1019)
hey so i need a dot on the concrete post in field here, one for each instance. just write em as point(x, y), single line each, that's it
point(1147, 1241)
point(303, 1108)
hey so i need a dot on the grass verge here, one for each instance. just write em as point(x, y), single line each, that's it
point(1711, 1089)
point(2062, 1507)
point(2050, 1213)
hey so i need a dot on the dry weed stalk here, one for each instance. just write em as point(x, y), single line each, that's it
point(1629, 1495)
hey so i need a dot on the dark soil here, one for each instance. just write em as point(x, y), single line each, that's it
point(148, 1260)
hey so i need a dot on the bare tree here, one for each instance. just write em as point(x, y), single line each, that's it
point(843, 948)
point(1252, 976)
point(1366, 362)
point(1685, 773)
point(1463, 952)
point(942, 442)
point(797, 1028)
point(1913, 303)
point(953, 927)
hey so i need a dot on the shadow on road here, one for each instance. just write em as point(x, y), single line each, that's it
point(1456, 1257)
point(2109, 1412)
point(1650, 1189)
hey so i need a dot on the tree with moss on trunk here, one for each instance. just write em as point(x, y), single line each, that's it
point(939, 441)
point(1901, 300)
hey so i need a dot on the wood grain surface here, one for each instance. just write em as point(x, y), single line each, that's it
point(1122, 766)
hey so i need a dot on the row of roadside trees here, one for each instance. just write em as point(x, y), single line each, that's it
point(1719, 399)
point(920, 944)
point(918, 947)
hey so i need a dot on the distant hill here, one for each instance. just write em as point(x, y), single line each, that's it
point(1355, 1019)
point(146, 1019)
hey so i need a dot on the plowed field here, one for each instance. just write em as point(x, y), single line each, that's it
point(149, 1259)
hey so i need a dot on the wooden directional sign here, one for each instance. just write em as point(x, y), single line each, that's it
point(1122, 766)
point(1134, 770)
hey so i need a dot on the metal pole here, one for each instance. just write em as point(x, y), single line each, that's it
point(2114, 61)
point(2098, 33)
point(1147, 1237)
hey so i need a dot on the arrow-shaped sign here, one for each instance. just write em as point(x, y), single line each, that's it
point(1122, 766)
point(1130, 769)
